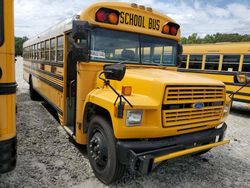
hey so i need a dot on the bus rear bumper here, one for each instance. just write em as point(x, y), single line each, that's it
point(8, 155)
point(144, 156)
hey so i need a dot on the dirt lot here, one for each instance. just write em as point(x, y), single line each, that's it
point(48, 158)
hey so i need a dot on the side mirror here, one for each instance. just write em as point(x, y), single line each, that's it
point(80, 29)
point(241, 78)
point(114, 71)
point(80, 34)
point(81, 52)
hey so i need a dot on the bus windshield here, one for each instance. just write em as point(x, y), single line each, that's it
point(117, 46)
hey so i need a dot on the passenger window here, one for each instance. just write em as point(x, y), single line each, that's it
point(39, 51)
point(60, 44)
point(184, 61)
point(47, 50)
point(52, 50)
point(1, 23)
point(212, 62)
point(195, 62)
point(246, 63)
point(35, 52)
point(231, 62)
point(43, 51)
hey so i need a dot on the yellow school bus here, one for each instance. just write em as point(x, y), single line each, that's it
point(111, 74)
point(7, 88)
point(222, 61)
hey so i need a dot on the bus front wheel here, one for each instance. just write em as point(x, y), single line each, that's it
point(101, 148)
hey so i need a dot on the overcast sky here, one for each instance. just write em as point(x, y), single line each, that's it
point(195, 16)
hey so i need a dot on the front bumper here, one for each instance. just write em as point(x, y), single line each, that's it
point(145, 155)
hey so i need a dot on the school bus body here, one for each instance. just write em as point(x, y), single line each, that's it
point(7, 88)
point(233, 58)
point(85, 104)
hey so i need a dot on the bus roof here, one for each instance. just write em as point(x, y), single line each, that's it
point(88, 14)
point(217, 48)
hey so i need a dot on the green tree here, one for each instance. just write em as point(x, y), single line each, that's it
point(214, 38)
point(19, 45)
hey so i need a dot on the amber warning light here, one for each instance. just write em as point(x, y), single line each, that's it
point(109, 16)
point(170, 29)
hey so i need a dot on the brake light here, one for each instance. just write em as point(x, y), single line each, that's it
point(170, 28)
point(109, 16)
point(173, 30)
point(101, 16)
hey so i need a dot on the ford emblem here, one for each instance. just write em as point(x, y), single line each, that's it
point(198, 105)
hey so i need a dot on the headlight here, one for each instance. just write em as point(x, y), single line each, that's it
point(134, 117)
point(227, 108)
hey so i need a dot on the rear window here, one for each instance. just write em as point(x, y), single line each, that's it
point(231, 63)
point(1, 23)
point(184, 61)
point(246, 63)
point(212, 62)
point(195, 62)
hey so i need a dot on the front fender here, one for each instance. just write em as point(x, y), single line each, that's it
point(105, 98)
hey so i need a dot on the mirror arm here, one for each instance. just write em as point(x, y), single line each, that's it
point(119, 96)
point(232, 94)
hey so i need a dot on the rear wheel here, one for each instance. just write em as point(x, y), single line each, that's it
point(33, 94)
point(101, 148)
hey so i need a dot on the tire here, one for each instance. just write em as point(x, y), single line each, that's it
point(101, 149)
point(33, 94)
point(8, 154)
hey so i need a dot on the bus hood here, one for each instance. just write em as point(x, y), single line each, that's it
point(169, 77)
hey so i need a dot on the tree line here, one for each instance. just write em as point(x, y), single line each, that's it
point(19, 45)
point(214, 38)
point(192, 39)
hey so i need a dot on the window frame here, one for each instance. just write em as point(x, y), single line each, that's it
point(230, 62)
point(52, 49)
point(245, 62)
point(199, 62)
point(212, 62)
point(60, 48)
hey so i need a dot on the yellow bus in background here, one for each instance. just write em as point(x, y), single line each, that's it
point(7, 88)
point(222, 61)
point(111, 74)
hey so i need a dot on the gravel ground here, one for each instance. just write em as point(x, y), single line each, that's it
point(47, 157)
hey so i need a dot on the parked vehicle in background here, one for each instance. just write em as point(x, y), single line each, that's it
point(222, 61)
point(7, 88)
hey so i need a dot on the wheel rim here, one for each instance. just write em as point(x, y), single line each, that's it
point(98, 149)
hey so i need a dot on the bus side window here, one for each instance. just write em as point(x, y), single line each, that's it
point(60, 43)
point(35, 52)
point(231, 62)
point(184, 61)
point(52, 50)
point(47, 50)
point(195, 61)
point(246, 63)
point(212, 62)
point(1, 24)
point(42, 50)
point(38, 51)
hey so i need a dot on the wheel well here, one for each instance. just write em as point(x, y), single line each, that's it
point(92, 110)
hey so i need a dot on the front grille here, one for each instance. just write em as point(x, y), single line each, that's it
point(178, 106)
point(183, 94)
